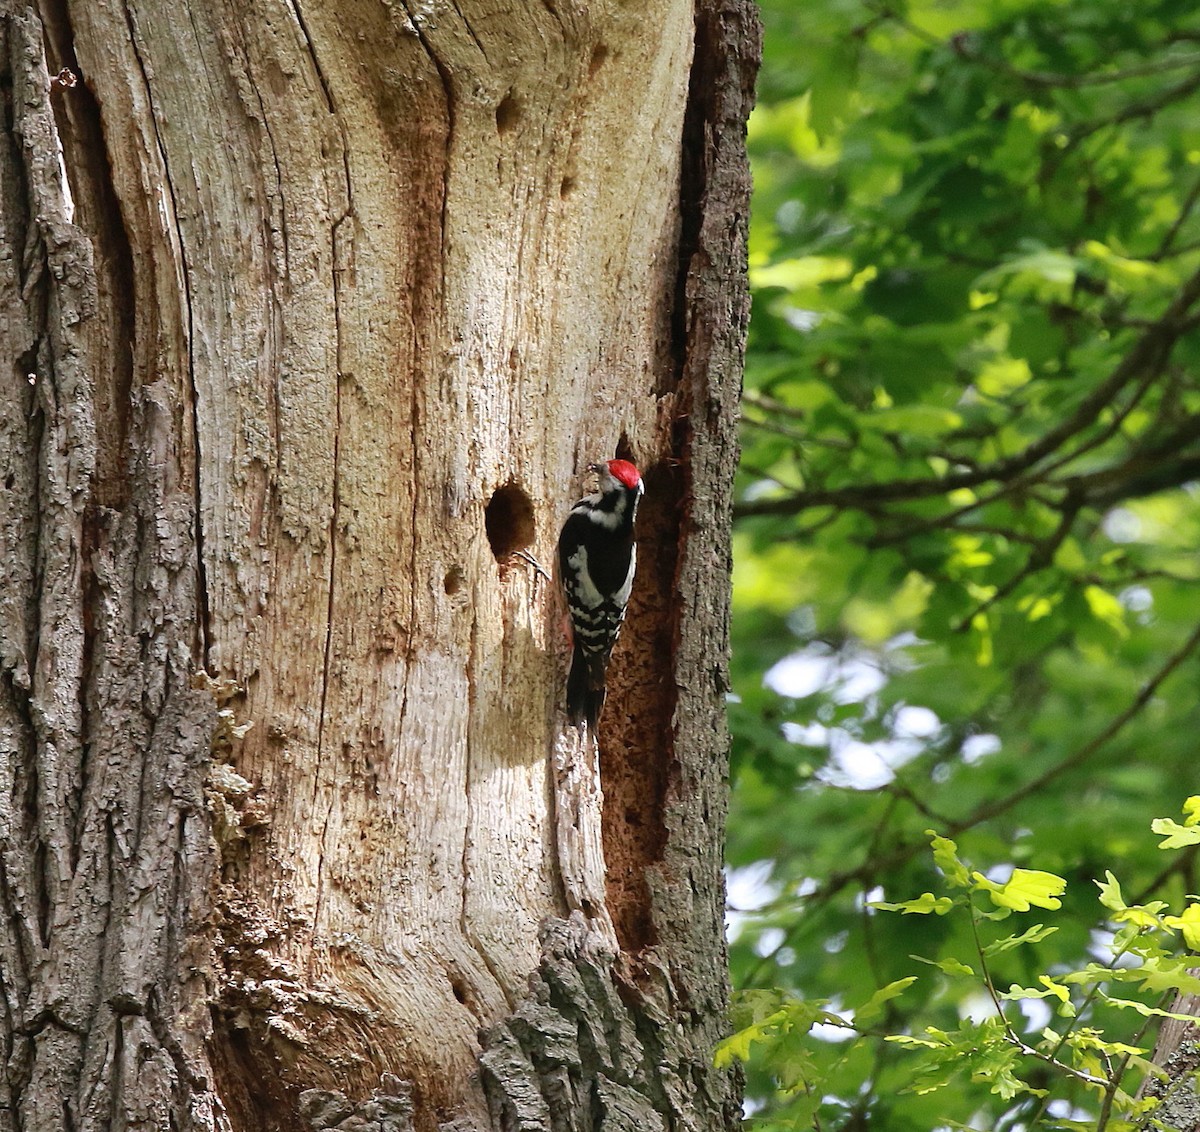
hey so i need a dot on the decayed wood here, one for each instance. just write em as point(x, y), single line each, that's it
point(629, 1046)
point(578, 828)
point(369, 284)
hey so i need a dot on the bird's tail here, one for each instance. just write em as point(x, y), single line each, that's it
point(585, 687)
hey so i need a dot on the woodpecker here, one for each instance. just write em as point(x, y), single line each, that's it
point(596, 560)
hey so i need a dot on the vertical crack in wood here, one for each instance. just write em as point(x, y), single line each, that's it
point(340, 256)
point(90, 175)
point(728, 48)
point(636, 729)
point(185, 268)
point(544, 1067)
point(426, 317)
point(87, 171)
point(416, 20)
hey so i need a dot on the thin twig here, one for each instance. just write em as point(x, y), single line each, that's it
point(1144, 108)
point(798, 437)
point(1039, 558)
point(1009, 1031)
point(1148, 353)
point(1185, 211)
point(771, 405)
point(903, 853)
point(1081, 754)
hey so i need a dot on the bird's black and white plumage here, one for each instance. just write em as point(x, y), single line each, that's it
point(596, 561)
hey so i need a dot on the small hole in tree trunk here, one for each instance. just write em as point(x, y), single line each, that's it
point(508, 520)
point(508, 114)
point(454, 580)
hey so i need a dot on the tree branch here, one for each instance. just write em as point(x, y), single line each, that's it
point(1149, 354)
point(869, 869)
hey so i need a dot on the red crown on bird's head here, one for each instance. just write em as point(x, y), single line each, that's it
point(624, 471)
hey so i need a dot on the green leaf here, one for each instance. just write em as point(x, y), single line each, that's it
point(1188, 924)
point(1176, 836)
point(1035, 934)
point(1146, 1011)
point(1106, 608)
point(1166, 974)
point(945, 856)
point(1110, 893)
point(802, 271)
point(1026, 888)
point(737, 1045)
point(1002, 376)
point(913, 420)
point(922, 905)
point(1045, 273)
point(873, 1007)
point(1140, 915)
point(1050, 989)
point(949, 966)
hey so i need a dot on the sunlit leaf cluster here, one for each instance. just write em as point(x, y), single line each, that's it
point(994, 1046)
point(966, 581)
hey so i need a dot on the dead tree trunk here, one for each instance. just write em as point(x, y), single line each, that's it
point(312, 313)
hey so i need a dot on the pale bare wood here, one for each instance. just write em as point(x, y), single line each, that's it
point(578, 824)
point(356, 267)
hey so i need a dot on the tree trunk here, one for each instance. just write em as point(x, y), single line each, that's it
point(1177, 1054)
point(314, 311)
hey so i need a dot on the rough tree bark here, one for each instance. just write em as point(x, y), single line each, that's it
point(1177, 1054)
point(312, 312)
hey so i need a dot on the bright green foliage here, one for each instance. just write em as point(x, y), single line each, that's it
point(992, 1047)
point(966, 545)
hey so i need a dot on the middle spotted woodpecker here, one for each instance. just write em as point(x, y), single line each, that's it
point(596, 560)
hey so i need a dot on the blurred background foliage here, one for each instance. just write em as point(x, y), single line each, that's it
point(968, 516)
